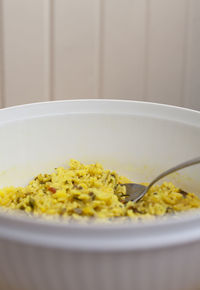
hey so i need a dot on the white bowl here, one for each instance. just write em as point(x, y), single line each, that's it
point(137, 140)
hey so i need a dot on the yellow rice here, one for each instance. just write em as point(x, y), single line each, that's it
point(90, 191)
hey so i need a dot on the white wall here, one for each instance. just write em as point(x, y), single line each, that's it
point(131, 49)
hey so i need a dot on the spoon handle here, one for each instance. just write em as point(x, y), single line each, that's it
point(173, 169)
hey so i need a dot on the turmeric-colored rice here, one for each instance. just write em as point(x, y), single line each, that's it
point(90, 191)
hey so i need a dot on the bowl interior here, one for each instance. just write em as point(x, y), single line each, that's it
point(136, 141)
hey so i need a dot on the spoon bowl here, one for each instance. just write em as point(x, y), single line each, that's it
point(134, 191)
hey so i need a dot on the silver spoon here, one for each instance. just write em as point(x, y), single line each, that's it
point(135, 191)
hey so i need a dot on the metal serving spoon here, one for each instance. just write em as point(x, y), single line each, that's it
point(135, 191)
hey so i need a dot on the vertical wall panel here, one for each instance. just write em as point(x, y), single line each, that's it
point(1, 56)
point(128, 49)
point(192, 69)
point(24, 52)
point(48, 40)
point(75, 48)
point(124, 31)
point(166, 40)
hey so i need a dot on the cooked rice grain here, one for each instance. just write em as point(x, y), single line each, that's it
point(90, 191)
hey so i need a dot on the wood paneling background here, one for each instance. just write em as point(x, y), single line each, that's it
point(145, 50)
